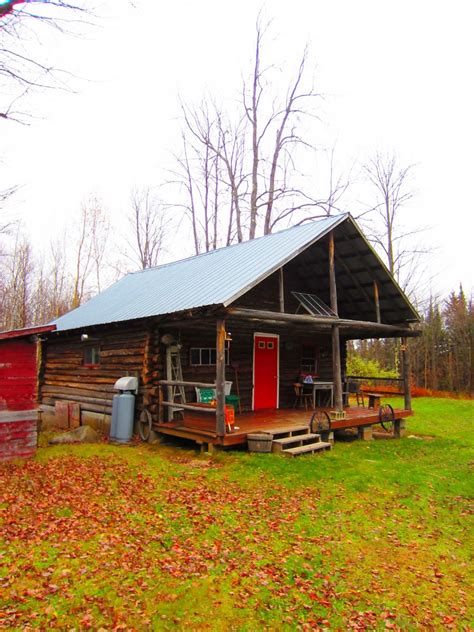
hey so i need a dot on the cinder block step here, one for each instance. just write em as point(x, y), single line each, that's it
point(308, 448)
point(279, 444)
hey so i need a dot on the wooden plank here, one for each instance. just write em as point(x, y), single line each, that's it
point(406, 373)
point(177, 383)
point(336, 349)
point(281, 290)
point(201, 409)
point(377, 302)
point(220, 377)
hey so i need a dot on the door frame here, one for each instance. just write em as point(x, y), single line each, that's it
point(277, 336)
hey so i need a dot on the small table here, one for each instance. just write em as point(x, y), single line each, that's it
point(322, 386)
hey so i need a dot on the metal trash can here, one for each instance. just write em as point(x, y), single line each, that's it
point(123, 410)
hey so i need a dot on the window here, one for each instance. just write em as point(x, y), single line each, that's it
point(309, 359)
point(206, 356)
point(91, 356)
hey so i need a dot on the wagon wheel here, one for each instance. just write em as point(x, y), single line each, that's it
point(387, 417)
point(144, 425)
point(320, 422)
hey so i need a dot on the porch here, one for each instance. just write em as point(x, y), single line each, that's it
point(200, 426)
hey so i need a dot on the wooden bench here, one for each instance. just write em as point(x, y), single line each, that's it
point(374, 400)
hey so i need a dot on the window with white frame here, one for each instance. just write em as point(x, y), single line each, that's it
point(206, 356)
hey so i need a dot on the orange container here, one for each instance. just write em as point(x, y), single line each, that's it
point(229, 417)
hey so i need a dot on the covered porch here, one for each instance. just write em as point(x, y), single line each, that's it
point(200, 427)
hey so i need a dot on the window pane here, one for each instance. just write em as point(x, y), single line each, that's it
point(91, 355)
point(205, 356)
point(213, 356)
point(308, 359)
point(195, 356)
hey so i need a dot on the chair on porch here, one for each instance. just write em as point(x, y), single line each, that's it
point(302, 397)
point(353, 388)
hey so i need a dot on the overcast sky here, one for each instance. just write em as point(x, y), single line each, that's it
point(397, 76)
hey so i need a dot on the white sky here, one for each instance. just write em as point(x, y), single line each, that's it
point(397, 75)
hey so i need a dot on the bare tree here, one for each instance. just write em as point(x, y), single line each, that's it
point(148, 224)
point(211, 171)
point(21, 68)
point(16, 285)
point(253, 150)
point(99, 228)
point(393, 188)
point(92, 230)
point(6, 223)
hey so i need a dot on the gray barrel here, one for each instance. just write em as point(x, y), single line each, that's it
point(125, 417)
point(113, 424)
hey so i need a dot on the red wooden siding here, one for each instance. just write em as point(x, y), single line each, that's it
point(17, 374)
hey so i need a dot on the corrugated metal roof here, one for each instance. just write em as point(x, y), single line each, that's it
point(215, 278)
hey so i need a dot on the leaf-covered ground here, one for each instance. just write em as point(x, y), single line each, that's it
point(370, 536)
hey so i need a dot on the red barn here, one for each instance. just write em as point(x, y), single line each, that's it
point(18, 391)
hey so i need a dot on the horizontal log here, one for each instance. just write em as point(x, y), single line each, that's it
point(79, 389)
point(201, 409)
point(85, 406)
point(80, 399)
point(80, 384)
point(365, 377)
point(177, 383)
point(256, 314)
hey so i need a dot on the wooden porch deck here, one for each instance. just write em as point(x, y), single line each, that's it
point(201, 429)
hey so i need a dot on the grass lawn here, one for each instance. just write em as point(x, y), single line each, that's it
point(372, 535)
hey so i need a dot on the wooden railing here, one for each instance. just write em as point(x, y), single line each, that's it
point(378, 383)
point(178, 405)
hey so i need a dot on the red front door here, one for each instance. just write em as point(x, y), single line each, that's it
point(265, 372)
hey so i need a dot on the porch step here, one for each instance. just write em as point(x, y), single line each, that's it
point(296, 440)
point(287, 431)
point(308, 448)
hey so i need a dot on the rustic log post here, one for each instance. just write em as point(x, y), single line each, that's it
point(406, 372)
point(220, 378)
point(281, 288)
point(377, 302)
point(336, 351)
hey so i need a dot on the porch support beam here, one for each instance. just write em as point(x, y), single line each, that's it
point(406, 373)
point(336, 350)
point(377, 302)
point(264, 315)
point(220, 378)
point(281, 288)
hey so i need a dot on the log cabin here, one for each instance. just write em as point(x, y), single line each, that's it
point(249, 322)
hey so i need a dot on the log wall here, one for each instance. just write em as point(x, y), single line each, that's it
point(136, 350)
point(124, 350)
point(202, 334)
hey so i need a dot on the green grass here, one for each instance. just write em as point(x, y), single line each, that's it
point(368, 536)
